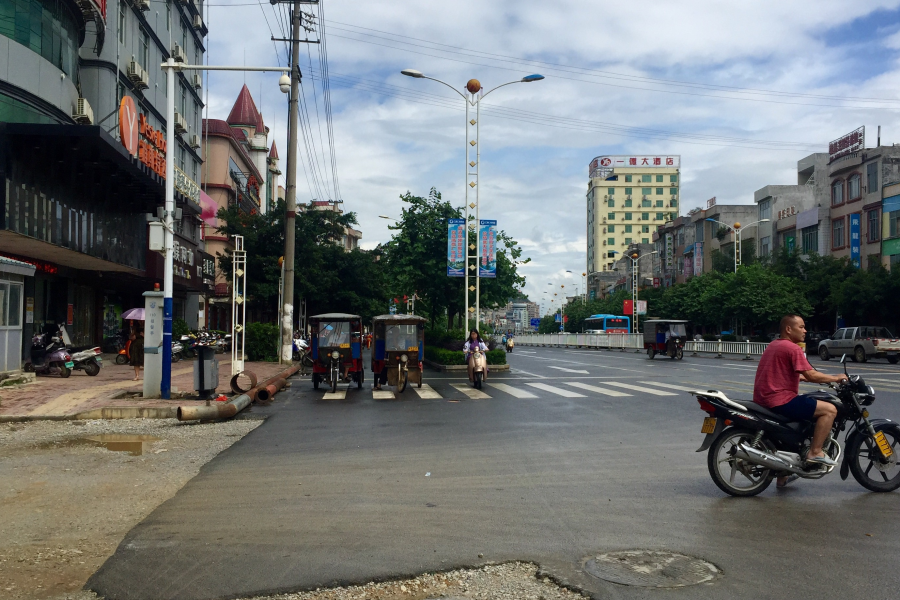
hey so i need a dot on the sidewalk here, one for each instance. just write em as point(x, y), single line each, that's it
point(107, 394)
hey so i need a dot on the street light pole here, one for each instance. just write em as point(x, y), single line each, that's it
point(737, 230)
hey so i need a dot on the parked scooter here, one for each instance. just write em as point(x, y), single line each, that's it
point(49, 355)
point(87, 360)
point(479, 367)
point(177, 350)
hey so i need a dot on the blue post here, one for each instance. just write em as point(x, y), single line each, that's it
point(165, 387)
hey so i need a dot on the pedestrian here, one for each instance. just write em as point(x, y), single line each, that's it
point(137, 353)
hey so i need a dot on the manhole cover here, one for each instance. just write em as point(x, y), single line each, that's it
point(649, 568)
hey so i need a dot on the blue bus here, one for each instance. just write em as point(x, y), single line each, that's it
point(607, 324)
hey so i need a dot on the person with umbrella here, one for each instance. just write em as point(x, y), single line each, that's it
point(136, 349)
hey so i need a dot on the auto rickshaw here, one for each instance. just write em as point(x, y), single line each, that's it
point(336, 348)
point(399, 347)
point(665, 336)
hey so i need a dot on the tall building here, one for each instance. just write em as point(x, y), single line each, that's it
point(628, 197)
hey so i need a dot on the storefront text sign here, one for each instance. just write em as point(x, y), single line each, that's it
point(784, 213)
point(152, 147)
point(847, 144)
point(128, 125)
point(186, 185)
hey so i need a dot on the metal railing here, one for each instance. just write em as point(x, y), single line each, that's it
point(718, 347)
point(619, 341)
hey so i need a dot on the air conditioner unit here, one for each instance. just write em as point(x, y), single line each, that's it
point(604, 243)
point(628, 196)
point(84, 114)
point(195, 141)
point(198, 80)
point(604, 220)
point(198, 22)
point(606, 196)
point(138, 75)
point(178, 54)
point(143, 5)
point(180, 124)
point(645, 198)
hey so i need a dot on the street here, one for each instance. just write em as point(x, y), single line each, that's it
point(570, 454)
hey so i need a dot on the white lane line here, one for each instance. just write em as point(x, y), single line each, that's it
point(426, 392)
point(593, 388)
point(638, 388)
point(382, 395)
point(527, 352)
point(471, 392)
point(674, 387)
point(582, 372)
point(526, 373)
point(338, 395)
point(512, 391)
point(557, 391)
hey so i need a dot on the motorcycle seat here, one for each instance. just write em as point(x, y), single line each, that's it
point(761, 410)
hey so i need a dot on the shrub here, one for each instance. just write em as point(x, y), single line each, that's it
point(179, 328)
point(261, 341)
point(496, 357)
point(443, 356)
point(729, 338)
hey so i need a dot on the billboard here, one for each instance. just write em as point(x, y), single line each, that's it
point(456, 247)
point(698, 258)
point(487, 239)
point(854, 239)
point(603, 165)
point(847, 144)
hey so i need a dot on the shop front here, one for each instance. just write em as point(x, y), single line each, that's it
point(193, 283)
point(14, 312)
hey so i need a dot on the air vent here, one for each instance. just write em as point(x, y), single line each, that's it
point(84, 114)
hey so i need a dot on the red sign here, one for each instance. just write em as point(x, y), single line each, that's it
point(128, 125)
point(38, 265)
point(628, 308)
point(152, 148)
point(70, 314)
point(847, 144)
point(656, 281)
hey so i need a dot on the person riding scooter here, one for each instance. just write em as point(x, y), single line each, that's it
point(473, 343)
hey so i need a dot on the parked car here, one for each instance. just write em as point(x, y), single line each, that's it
point(813, 338)
point(861, 344)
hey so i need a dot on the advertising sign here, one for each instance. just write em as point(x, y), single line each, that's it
point(670, 252)
point(854, 239)
point(456, 247)
point(128, 125)
point(557, 318)
point(698, 258)
point(627, 307)
point(487, 238)
point(656, 282)
point(642, 307)
point(847, 144)
point(602, 165)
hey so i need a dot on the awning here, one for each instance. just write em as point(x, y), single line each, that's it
point(16, 267)
point(689, 249)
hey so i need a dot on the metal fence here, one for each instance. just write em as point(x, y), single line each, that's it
point(747, 349)
point(625, 341)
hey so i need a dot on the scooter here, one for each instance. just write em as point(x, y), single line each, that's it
point(479, 367)
point(87, 360)
point(49, 355)
point(510, 344)
point(177, 349)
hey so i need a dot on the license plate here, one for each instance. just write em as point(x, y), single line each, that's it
point(99, 360)
point(70, 365)
point(344, 346)
point(709, 425)
point(412, 349)
point(883, 444)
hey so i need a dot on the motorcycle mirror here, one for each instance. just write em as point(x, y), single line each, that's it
point(843, 358)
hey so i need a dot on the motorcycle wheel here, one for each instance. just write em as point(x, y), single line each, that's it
point(865, 465)
point(893, 360)
point(478, 380)
point(176, 356)
point(92, 368)
point(64, 372)
point(859, 354)
point(359, 378)
point(307, 360)
point(334, 380)
point(28, 368)
point(823, 353)
point(401, 380)
point(732, 475)
point(679, 354)
point(651, 352)
point(121, 359)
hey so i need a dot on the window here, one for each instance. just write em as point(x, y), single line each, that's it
point(673, 203)
point(837, 233)
point(194, 171)
point(197, 60)
point(645, 216)
point(673, 191)
point(645, 191)
point(659, 204)
point(611, 191)
point(628, 179)
point(894, 223)
point(680, 237)
point(183, 37)
point(645, 240)
point(646, 178)
point(673, 178)
point(10, 304)
point(145, 49)
point(611, 216)
point(659, 191)
point(611, 228)
point(628, 203)
point(872, 177)
point(659, 217)
point(645, 228)
point(810, 239)
point(123, 10)
point(837, 193)
point(627, 216)
point(853, 191)
point(627, 241)
point(646, 203)
point(628, 229)
point(765, 209)
point(611, 203)
point(611, 241)
point(764, 244)
point(873, 222)
point(183, 108)
point(698, 231)
point(659, 179)
point(627, 191)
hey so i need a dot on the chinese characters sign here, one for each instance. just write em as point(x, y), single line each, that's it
point(670, 252)
point(847, 144)
point(603, 165)
point(854, 239)
point(787, 212)
point(487, 238)
point(456, 247)
point(698, 258)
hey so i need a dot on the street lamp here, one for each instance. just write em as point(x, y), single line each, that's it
point(475, 94)
point(635, 258)
point(737, 229)
point(388, 218)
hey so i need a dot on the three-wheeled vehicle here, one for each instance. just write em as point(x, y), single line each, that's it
point(399, 347)
point(336, 348)
point(665, 336)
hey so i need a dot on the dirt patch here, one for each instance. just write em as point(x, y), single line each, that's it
point(66, 502)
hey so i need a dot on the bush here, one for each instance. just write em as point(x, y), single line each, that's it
point(261, 341)
point(496, 357)
point(453, 339)
point(179, 328)
point(729, 338)
point(456, 357)
point(760, 338)
point(710, 337)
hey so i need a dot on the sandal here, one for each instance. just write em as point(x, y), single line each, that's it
point(791, 479)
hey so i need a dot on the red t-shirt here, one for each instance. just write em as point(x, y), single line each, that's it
point(778, 375)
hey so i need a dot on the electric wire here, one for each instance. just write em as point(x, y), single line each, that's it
point(323, 53)
point(318, 117)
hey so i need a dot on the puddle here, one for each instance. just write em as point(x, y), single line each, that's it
point(122, 442)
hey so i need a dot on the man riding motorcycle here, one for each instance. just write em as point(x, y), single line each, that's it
point(777, 387)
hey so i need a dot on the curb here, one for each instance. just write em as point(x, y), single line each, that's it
point(451, 368)
point(105, 413)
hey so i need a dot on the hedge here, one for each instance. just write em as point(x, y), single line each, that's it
point(456, 357)
point(261, 341)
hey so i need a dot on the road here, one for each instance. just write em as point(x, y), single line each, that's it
point(571, 453)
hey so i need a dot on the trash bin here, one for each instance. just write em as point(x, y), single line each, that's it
point(206, 372)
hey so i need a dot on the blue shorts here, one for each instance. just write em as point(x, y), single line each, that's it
point(800, 408)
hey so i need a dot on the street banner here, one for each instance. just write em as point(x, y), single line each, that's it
point(642, 307)
point(487, 237)
point(456, 247)
point(698, 259)
point(854, 239)
point(627, 307)
point(556, 317)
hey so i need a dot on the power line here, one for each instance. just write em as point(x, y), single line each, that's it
point(323, 54)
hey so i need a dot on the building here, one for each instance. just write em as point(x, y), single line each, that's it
point(82, 116)
point(628, 197)
point(351, 238)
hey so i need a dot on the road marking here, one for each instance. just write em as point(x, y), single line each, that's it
point(382, 395)
point(512, 391)
point(638, 388)
point(426, 392)
point(526, 373)
point(583, 372)
point(338, 395)
point(674, 387)
point(557, 391)
point(593, 388)
point(471, 392)
point(527, 352)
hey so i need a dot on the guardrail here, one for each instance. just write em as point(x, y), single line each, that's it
point(627, 341)
point(748, 349)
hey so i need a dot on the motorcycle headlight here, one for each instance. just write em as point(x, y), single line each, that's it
point(335, 355)
point(404, 358)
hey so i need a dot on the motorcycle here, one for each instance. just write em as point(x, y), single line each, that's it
point(87, 360)
point(479, 367)
point(302, 353)
point(177, 350)
point(510, 344)
point(750, 445)
point(49, 355)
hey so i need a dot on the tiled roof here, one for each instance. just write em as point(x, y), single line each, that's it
point(244, 111)
point(273, 152)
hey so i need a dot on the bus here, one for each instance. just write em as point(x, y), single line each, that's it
point(607, 324)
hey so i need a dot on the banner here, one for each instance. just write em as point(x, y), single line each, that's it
point(487, 238)
point(854, 239)
point(698, 258)
point(456, 247)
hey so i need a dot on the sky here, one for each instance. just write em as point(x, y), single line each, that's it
point(741, 91)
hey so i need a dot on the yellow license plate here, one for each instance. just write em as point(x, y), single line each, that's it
point(709, 425)
point(345, 345)
point(883, 444)
point(412, 349)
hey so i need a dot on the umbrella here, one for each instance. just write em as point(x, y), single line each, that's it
point(133, 314)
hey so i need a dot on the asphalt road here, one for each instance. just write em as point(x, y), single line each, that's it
point(572, 453)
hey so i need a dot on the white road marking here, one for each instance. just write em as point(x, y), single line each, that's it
point(382, 395)
point(675, 387)
point(593, 388)
point(638, 388)
point(583, 372)
point(512, 391)
point(557, 391)
point(426, 392)
point(338, 395)
point(527, 352)
point(526, 373)
point(471, 392)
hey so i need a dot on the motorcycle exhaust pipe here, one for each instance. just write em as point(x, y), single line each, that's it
point(764, 459)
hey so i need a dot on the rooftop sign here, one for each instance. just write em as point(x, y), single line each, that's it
point(603, 165)
point(847, 144)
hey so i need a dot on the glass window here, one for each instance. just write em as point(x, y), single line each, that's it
point(698, 231)
point(765, 209)
point(627, 216)
point(659, 191)
point(14, 111)
point(628, 179)
point(628, 229)
point(853, 191)
point(894, 223)
point(646, 191)
point(837, 233)
point(810, 239)
point(611, 203)
point(837, 192)
point(611, 191)
point(848, 333)
point(646, 178)
point(659, 179)
point(673, 178)
point(4, 296)
point(673, 191)
point(332, 335)
point(611, 216)
point(183, 37)
point(181, 157)
point(872, 177)
point(611, 241)
point(611, 228)
point(145, 49)
point(628, 191)
point(627, 241)
point(645, 228)
point(764, 243)
point(183, 108)
point(659, 217)
point(47, 27)
point(645, 216)
point(645, 240)
point(873, 222)
point(628, 203)
point(659, 204)
point(838, 335)
point(673, 203)
point(401, 337)
point(14, 306)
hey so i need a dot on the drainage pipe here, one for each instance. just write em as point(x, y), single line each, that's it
point(265, 393)
point(226, 410)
